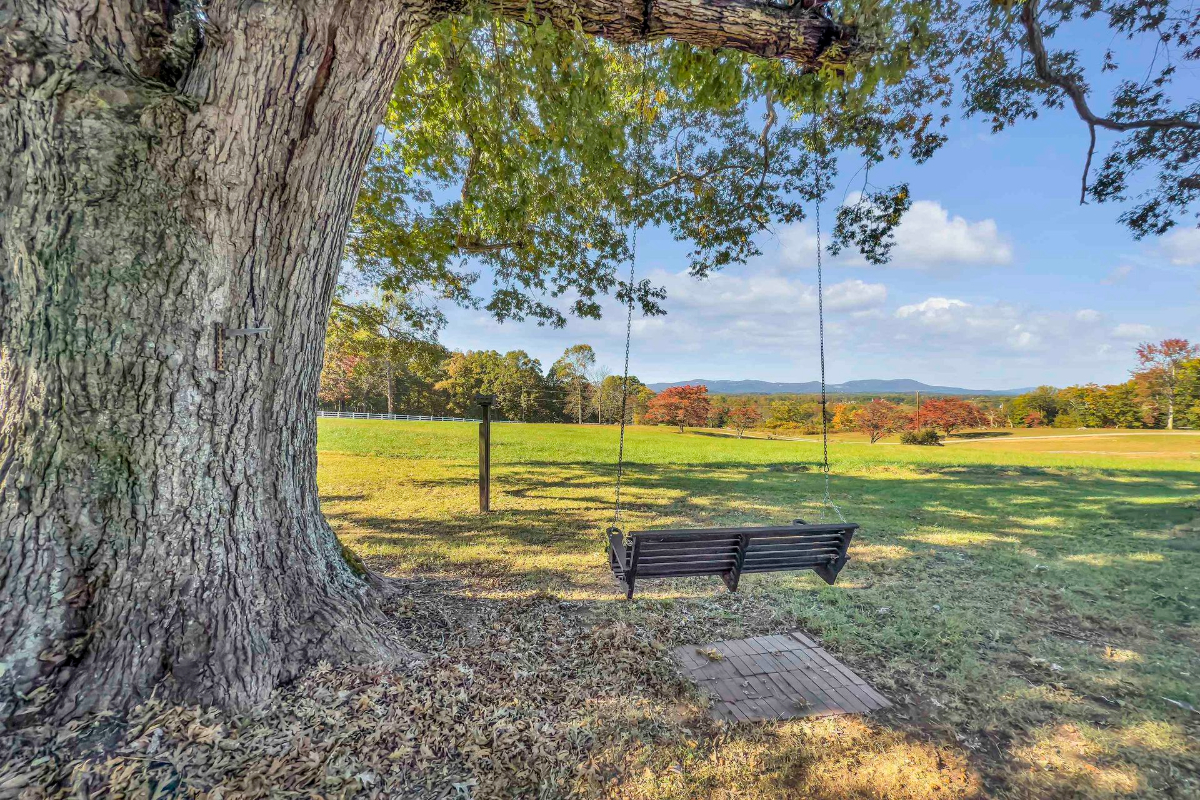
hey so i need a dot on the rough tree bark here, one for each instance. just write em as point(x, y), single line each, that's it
point(167, 173)
point(391, 386)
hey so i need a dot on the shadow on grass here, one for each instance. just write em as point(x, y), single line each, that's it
point(1041, 612)
point(979, 435)
point(1097, 531)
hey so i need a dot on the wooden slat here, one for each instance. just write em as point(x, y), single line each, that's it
point(765, 530)
point(680, 572)
point(787, 563)
point(797, 547)
point(814, 558)
point(728, 552)
point(795, 540)
point(728, 558)
point(784, 566)
point(791, 551)
point(687, 547)
point(644, 568)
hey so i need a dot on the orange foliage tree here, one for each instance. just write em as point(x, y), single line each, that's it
point(878, 418)
point(679, 405)
point(952, 413)
point(744, 416)
point(1159, 373)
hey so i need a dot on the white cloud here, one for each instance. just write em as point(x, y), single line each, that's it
point(723, 295)
point(932, 309)
point(855, 295)
point(764, 314)
point(952, 326)
point(1133, 331)
point(1182, 247)
point(928, 237)
point(996, 326)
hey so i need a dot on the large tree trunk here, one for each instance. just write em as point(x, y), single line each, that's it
point(160, 187)
point(159, 517)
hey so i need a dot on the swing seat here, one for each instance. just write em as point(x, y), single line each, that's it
point(729, 552)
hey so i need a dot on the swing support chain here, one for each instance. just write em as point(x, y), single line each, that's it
point(828, 499)
point(640, 146)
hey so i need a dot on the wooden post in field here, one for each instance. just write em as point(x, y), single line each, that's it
point(485, 452)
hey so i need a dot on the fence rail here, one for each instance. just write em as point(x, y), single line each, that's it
point(409, 417)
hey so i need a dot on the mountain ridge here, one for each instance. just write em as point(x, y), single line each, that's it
point(867, 386)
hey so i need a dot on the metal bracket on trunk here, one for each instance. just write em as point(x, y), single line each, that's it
point(221, 333)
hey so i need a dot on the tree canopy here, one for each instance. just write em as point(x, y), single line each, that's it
point(529, 152)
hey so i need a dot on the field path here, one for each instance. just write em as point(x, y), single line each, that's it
point(1070, 436)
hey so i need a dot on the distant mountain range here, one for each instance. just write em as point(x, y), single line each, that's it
point(849, 387)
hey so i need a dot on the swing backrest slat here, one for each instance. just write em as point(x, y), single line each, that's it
point(728, 552)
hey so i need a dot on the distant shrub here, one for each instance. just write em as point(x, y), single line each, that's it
point(926, 436)
point(1067, 420)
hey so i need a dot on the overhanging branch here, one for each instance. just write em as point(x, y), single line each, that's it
point(798, 33)
point(1078, 95)
point(1071, 86)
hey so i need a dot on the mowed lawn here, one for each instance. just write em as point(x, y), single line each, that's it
point(1031, 606)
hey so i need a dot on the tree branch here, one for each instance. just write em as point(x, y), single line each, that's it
point(1087, 164)
point(1070, 85)
point(803, 35)
point(474, 246)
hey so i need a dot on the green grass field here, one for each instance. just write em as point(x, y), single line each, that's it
point(1031, 604)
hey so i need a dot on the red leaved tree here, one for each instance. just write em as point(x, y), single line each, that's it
point(337, 376)
point(1160, 370)
point(879, 418)
point(679, 405)
point(744, 416)
point(952, 413)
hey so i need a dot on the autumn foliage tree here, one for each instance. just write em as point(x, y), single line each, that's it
point(843, 416)
point(743, 416)
point(1159, 371)
point(679, 405)
point(951, 413)
point(879, 418)
point(336, 376)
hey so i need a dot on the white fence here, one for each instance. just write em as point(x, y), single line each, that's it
point(410, 417)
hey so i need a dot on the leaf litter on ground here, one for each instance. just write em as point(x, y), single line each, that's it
point(518, 698)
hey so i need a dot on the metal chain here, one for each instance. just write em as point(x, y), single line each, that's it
point(639, 146)
point(821, 342)
point(625, 379)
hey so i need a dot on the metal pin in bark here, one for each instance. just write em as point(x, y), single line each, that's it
point(221, 333)
point(485, 452)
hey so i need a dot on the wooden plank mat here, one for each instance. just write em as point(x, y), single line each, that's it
point(782, 676)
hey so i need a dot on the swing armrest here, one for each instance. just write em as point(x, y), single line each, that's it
point(618, 554)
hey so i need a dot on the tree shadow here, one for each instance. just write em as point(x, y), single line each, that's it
point(1015, 614)
point(979, 435)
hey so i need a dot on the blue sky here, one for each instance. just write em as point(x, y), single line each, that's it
point(999, 279)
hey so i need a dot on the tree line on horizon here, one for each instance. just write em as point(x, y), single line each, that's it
point(380, 360)
point(381, 363)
